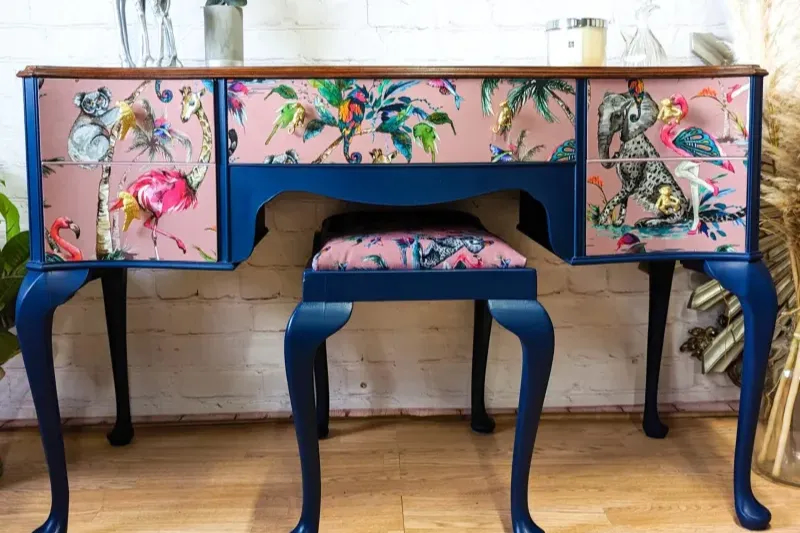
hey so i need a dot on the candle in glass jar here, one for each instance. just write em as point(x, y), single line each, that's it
point(576, 42)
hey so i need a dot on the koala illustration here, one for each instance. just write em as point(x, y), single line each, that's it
point(89, 139)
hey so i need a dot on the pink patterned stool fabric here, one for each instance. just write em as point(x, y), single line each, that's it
point(423, 249)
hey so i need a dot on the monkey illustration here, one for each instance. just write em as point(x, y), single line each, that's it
point(667, 202)
point(89, 138)
point(379, 158)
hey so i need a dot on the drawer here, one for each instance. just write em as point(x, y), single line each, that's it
point(179, 200)
point(171, 120)
point(669, 118)
point(660, 212)
point(401, 121)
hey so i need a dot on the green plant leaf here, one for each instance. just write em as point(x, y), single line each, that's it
point(324, 115)
point(313, 128)
point(344, 83)
point(206, 257)
point(9, 346)
point(426, 137)
point(402, 141)
point(439, 118)
point(16, 252)
point(394, 123)
point(11, 215)
point(401, 86)
point(328, 90)
point(283, 90)
point(488, 87)
point(9, 287)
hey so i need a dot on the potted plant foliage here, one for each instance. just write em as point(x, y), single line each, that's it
point(13, 257)
point(224, 25)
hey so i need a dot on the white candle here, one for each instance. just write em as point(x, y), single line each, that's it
point(576, 42)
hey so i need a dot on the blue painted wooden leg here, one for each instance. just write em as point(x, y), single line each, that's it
point(39, 296)
point(752, 284)
point(310, 324)
point(660, 287)
point(115, 283)
point(529, 321)
point(481, 421)
point(323, 393)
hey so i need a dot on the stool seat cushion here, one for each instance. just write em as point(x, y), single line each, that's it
point(417, 249)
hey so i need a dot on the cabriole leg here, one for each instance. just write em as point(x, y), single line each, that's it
point(752, 284)
point(39, 296)
point(310, 324)
point(529, 321)
point(660, 287)
point(481, 421)
point(115, 282)
point(322, 388)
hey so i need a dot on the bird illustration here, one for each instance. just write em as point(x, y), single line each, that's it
point(63, 250)
point(690, 142)
point(160, 192)
point(351, 115)
point(447, 87)
point(637, 92)
point(291, 116)
point(630, 244)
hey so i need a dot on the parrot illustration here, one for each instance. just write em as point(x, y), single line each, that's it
point(351, 114)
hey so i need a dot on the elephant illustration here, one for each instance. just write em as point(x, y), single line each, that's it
point(641, 171)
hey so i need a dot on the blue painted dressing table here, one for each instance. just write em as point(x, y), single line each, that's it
point(173, 168)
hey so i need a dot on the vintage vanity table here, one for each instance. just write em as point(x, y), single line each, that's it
point(173, 168)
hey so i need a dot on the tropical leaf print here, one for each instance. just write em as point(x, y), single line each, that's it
point(426, 136)
point(488, 87)
point(284, 91)
point(402, 142)
point(329, 91)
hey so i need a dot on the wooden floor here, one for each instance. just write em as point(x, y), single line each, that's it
point(391, 476)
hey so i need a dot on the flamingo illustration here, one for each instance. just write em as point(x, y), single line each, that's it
point(63, 250)
point(690, 142)
point(161, 192)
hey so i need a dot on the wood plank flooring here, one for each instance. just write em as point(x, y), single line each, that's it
point(590, 474)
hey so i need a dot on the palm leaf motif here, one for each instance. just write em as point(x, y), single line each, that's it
point(377, 260)
point(540, 92)
point(488, 87)
point(522, 153)
point(145, 140)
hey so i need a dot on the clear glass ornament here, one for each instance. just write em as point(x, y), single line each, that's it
point(642, 49)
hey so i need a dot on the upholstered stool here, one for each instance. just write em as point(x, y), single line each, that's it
point(414, 256)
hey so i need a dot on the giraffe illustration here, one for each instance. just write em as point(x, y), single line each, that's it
point(160, 192)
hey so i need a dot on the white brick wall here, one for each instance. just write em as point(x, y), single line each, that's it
point(212, 342)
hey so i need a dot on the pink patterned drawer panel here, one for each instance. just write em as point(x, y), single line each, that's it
point(399, 121)
point(126, 121)
point(669, 118)
point(688, 206)
point(130, 211)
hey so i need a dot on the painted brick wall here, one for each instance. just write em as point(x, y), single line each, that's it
point(212, 342)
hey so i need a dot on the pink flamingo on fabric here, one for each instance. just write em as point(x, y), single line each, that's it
point(61, 248)
point(162, 192)
point(692, 142)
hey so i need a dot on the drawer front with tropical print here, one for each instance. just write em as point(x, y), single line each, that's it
point(128, 170)
point(667, 165)
point(391, 121)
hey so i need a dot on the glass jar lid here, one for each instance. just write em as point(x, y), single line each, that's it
point(570, 23)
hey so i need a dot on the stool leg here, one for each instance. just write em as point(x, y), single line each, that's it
point(660, 287)
point(752, 284)
point(322, 388)
point(481, 421)
point(39, 296)
point(310, 324)
point(528, 320)
point(115, 282)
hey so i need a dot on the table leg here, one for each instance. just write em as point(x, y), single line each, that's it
point(752, 284)
point(529, 321)
point(322, 388)
point(115, 284)
point(310, 324)
point(481, 421)
point(39, 296)
point(661, 273)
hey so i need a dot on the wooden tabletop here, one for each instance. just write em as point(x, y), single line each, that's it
point(388, 72)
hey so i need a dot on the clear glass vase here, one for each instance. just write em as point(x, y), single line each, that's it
point(642, 49)
point(777, 451)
